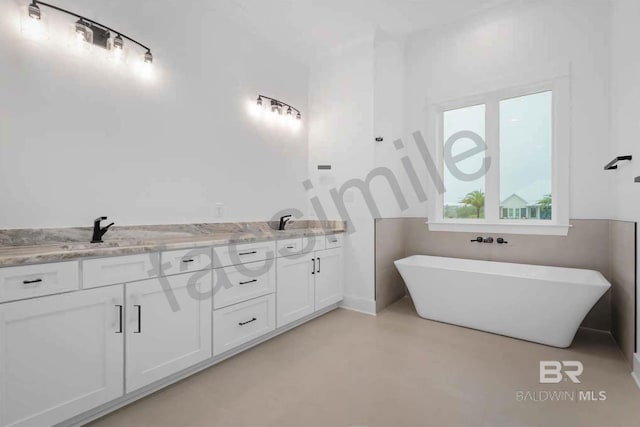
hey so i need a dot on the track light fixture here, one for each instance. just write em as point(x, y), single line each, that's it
point(278, 106)
point(85, 30)
point(274, 112)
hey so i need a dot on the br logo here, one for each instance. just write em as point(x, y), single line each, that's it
point(554, 372)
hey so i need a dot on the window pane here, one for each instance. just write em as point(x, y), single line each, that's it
point(525, 157)
point(463, 198)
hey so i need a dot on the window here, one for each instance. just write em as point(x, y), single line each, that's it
point(504, 157)
point(525, 151)
point(464, 198)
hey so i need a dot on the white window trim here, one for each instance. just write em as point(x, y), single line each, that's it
point(561, 152)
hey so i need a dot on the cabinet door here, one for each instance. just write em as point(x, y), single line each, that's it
point(168, 326)
point(328, 278)
point(60, 356)
point(295, 293)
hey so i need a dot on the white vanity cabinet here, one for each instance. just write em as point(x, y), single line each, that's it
point(60, 355)
point(79, 338)
point(309, 282)
point(168, 326)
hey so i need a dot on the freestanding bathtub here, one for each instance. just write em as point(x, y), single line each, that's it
point(534, 303)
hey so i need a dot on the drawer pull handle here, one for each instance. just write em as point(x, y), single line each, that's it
point(290, 247)
point(248, 253)
point(188, 260)
point(334, 241)
point(120, 312)
point(318, 266)
point(139, 307)
point(313, 270)
point(31, 282)
point(248, 281)
point(247, 322)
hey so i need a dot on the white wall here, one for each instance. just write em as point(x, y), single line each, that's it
point(341, 93)
point(80, 139)
point(625, 107)
point(514, 45)
point(389, 118)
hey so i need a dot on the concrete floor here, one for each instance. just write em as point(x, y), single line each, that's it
point(396, 369)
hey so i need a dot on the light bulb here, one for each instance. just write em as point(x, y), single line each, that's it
point(33, 24)
point(81, 38)
point(255, 109)
point(274, 107)
point(295, 125)
point(145, 66)
point(117, 54)
point(259, 102)
point(116, 50)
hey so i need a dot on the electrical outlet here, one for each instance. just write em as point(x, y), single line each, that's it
point(220, 210)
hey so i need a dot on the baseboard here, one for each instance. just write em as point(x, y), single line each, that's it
point(123, 401)
point(636, 369)
point(361, 305)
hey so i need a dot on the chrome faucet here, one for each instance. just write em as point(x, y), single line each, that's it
point(98, 231)
point(283, 222)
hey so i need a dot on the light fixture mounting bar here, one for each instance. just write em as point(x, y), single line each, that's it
point(280, 103)
point(68, 12)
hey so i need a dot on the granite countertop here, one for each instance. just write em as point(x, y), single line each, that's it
point(37, 246)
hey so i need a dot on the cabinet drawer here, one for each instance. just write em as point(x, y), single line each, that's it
point(237, 283)
point(122, 269)
point(185, 261)
point(238, 324)
point(36, 280)
point(334, 241)
point(314, 243)
point(224, 256)
point(289, 246)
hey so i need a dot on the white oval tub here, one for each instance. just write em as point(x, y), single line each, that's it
point(534, 303)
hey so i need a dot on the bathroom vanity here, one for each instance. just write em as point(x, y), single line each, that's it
point(90, 329)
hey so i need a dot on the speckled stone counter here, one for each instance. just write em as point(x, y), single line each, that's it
point(36, 246)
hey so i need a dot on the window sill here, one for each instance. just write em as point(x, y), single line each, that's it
point(508, 228)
